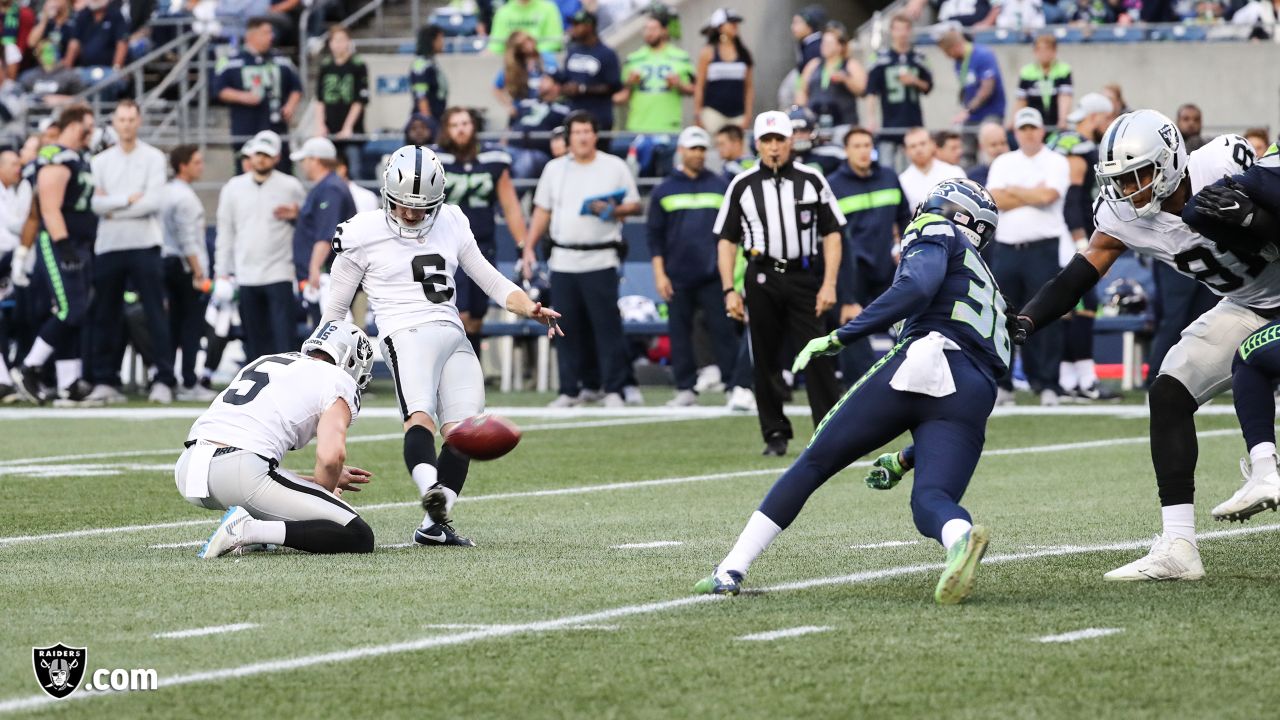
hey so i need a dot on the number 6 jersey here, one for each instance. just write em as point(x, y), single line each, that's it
point(275, 403)
point(1250, 281)
point(409, 281)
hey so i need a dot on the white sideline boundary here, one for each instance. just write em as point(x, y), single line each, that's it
point(1085, 634)
point(586, 489)
point(573, 621)
point(787, 633)
point(201, 632)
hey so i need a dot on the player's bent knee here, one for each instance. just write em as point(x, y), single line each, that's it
point(1168, 397)
point(361, 535)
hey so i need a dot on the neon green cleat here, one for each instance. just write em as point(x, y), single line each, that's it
point(719, 583)
point(962, 564)
point(885, 472)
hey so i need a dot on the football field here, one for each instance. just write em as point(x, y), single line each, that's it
point(577, 601)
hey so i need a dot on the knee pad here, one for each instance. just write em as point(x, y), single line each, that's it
point(1168, 397)
point(361, 535)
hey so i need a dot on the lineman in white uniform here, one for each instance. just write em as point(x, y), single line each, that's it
point(1146, 179)
point(406, 255)
point(276, 404)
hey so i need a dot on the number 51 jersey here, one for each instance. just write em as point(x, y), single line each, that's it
point(409, 281)
point(275, 403)
point(1250, 281)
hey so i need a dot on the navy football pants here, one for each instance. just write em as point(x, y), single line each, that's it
point(948, 432)
point(1254, 374)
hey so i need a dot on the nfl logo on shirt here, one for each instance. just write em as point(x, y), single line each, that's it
point(806, 217)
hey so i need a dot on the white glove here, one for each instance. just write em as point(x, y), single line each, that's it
point(24, 263)
point(224, 290)
point(311, 293)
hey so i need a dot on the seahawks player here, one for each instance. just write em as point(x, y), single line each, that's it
point(276, 404)
point(406, 256)
point(939, 382)
point(1146, 179)
point(477, 179)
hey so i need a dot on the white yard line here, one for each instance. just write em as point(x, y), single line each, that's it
point(885, 544)
point(1085, 634)
point(570, 621)
point(585, 489)
point(646, 545)
point(788, 633)
point(476, 626)
point(165, 546)
point(200, 632)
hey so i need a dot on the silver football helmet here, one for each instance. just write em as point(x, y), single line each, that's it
point(1140, 143)
point(348, 346)
point(413, 178)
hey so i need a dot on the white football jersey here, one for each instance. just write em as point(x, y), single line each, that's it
point(409, 281)
point(1250, 281)
point(275, 403)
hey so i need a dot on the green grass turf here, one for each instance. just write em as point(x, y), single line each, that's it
point(1187, 650)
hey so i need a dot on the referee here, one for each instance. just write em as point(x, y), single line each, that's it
point(788, 223)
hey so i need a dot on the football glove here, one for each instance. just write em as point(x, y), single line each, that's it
point(1018, 326)
point(1227, 203)
point(825, 345)
point(24, 263)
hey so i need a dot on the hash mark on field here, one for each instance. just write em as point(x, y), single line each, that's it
point(646, 545)
point(788, 633)
point(200, 632)
point(477, 626)
point(885, 544)
point(1086, 634)
point(165, 546)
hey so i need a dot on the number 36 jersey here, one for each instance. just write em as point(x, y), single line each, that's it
point(1250, 281)
point(275, 403)
point(409, 281)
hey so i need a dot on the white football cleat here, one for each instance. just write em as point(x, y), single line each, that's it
point(684, 398)
point(741, 399)
point(227, 537)
point(632, 395)
point(1257, 494)
point(1169, 559)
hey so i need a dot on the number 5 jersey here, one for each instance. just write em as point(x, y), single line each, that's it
point(409, 281)
point(1247, 280)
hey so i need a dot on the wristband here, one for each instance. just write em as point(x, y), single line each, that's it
point(729, 290)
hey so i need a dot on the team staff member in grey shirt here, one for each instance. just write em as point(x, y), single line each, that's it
point(256, 211)
point(582, 199)
point(130, 179)
point(186, 263)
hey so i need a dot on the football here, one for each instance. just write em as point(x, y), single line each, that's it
point(485, 437)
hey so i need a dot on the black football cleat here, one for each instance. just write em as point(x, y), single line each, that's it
point(775, 447)
point(440, 534)
point(26, 381)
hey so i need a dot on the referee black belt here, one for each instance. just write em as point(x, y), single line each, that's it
point(1028, 244)
point(228, 449)
point(782, 267)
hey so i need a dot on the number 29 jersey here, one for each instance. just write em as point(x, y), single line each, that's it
point(275, 403)
point(409, 281)
point(1250, 281)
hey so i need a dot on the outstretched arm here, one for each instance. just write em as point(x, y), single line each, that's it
point(1061, 294)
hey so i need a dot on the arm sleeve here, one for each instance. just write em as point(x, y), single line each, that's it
point(542, 195)
point(1059, 175)
point(1073, 210)
point(920, 274)
point(656, 225)
point(191, 228)
point(611, 73)
point(1061, 294)
point(729, 220)
point(632, 194)
point(344, 278)
point(485, 275)
point(830, 218)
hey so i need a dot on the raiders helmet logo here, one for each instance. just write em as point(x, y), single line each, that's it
point(1169, 134)
point(59, 669)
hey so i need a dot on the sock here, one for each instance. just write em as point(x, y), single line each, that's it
point(266, 532)
point(1263, 458)
point(953, 530)
point(1067, 376)
point(755, 537)
point(39, 353)
point(420, 457)
point(1087, 373)
point(453, 467)
point(1180, 521)
point(68, 371)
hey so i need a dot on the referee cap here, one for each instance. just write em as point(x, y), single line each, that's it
point(773, 122)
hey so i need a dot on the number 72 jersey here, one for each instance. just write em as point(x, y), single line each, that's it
point(1249, 280)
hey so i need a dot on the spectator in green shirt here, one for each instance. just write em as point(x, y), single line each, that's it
point(539, 18)
point(656, 78)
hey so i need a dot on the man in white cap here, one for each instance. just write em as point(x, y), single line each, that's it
point(1030, 187)
point(254, 247)
point(328, 203)
point(682, 214)
point(787, 221)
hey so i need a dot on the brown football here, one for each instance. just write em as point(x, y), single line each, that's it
point(485, 437)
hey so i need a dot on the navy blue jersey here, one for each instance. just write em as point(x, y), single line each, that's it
point(942, 284)
point(473, 186)
point(272, 77)
point(899, 104)
point(595, 68)
point(77, 210)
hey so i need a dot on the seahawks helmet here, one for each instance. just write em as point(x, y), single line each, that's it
point(802, 121)
point(348, 346)
point(1126, 297)
point(1138, 141)
point(413, 178)
point(968, 205)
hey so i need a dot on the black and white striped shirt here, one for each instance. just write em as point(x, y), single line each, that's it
point(781, 213)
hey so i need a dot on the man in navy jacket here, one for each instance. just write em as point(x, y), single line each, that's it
point(682, 213)
point(876, 210)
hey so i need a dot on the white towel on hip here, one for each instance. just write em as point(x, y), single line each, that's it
point(926, 370)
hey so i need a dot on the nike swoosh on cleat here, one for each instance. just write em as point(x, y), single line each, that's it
point(434, 538)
